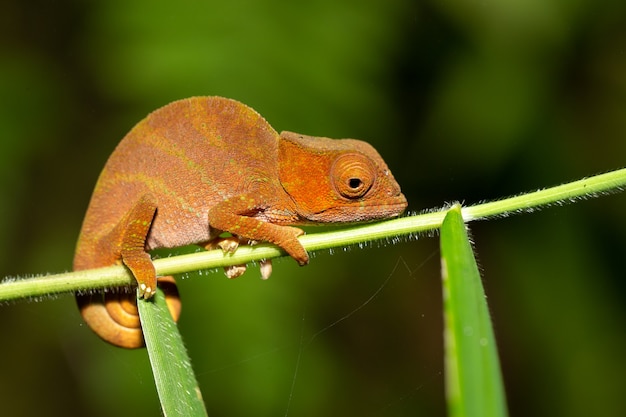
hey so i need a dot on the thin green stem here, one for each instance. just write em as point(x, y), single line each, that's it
point(567, 193)
point(14, 288)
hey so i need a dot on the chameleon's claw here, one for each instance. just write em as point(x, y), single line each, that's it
point(144, 291)
point(227, 244)
point(234, 271)
point(266, 268)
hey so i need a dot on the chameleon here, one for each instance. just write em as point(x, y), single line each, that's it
point(202, 166)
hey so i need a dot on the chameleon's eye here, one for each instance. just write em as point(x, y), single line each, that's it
point(352, 175)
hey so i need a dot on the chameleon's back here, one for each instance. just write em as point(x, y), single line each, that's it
point(188, 155)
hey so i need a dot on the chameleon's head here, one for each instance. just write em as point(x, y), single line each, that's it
point(337, 180)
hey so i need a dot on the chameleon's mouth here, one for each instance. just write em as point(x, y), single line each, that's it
point(361, 212)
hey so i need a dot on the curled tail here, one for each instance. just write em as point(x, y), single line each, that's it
point(114, 316)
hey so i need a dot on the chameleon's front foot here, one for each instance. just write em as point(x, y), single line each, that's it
point(290, 244)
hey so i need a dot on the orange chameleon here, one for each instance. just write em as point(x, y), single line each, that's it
point(205, 165)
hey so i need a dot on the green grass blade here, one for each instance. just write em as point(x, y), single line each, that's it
point(176, 383)
point(474, 385)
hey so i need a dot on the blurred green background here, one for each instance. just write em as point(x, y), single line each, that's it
point(465, 101)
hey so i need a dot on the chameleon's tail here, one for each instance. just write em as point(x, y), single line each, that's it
point(114, 316)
